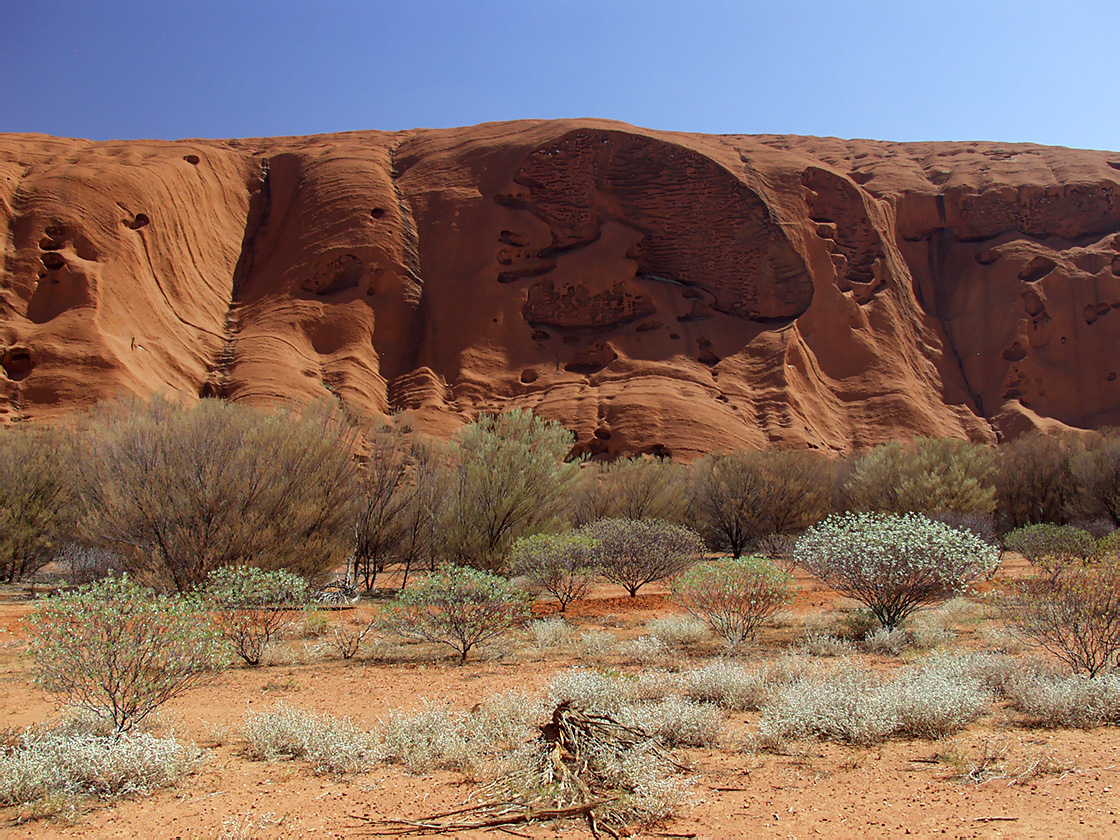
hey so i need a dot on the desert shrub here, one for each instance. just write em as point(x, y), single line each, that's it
point(930, 475)
point(563, 565)
point(1035, 481)
point(588, 690)
point(681, 722)
point(1075, 615)
point(895, 642)
point(1053, 701)
point(677, 630)
point(52, 765)
point(645, 650)
point(819, 643)
point(742, 496)
point(725, 684)
point(313, 622)
point(36, 504)
point(634, 552)
point(551, 633)
point(82, 564)
point(458, 607)
point(398, 487)
point(1097, 472)
point(178, 492)
point(436, 738)
point(331, 745)
point(893, 564)
point(349, 632)
point(117, 651)
point(1051, 547)
point(734, 596)
point(597, 643)
point(508, 478)
point(931, 700)
point(252, 607)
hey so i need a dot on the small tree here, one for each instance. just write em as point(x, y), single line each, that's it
point(1075, 615)
point(253, 607)
point(1035, 480)
point(734, 596)
point(746, 495)
point(509, 478)
point(178, 492)
point(893, 564)
point(1051, 548)
point(563, 565)
point(117, 651)
point(457, 606)
point(1097, 471)
point(634, 552)
point(36, 512)
point(931, 474)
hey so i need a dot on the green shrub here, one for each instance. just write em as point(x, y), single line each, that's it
point(563, 565)
point(115, 650)
point(893, 564)
point(36, 504)
point(178, 492)
point(458, 607)
point(252, 607)
point(1051, 547)
point(1075, 615)
point(634, 552)
point(734, 596)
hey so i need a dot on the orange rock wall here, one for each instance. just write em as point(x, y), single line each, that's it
point(652, 291)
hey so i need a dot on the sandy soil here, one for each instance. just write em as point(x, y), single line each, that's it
point(814, 789)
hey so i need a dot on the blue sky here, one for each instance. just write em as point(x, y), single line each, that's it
point(1030, 70)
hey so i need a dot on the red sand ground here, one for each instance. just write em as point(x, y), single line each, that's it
point(816, 789)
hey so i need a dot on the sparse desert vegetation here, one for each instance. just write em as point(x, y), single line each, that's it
point(600, 672)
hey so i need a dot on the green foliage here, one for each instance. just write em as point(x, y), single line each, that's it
point(1035, 480)
point(252, 607)
point(928, 476)
point(1075, 615)
point(397, 500)
point(1051, 548)
point(117, 651)
point(563, 565)
point(742, 496)
point(893, 564)
point(634, 552)
point(36, 511)
point(458, 606)
point(509, 478)
point(641, 487)
point(1097, 472)
point(734, 596)
point(179, 492)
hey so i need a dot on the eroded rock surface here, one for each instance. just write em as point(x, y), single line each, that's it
point(653, 291)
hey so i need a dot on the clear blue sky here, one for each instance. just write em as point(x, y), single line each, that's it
point(1011, 70)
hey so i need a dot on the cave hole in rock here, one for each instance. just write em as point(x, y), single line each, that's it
point(987, 257)
point(1115, 164)
point(1015, 353)
point(540, 335)
point(377, 212)
point(1111, 377)
point(1036, 269)
point(53, 261)
point(674, 336)
point(48, 244)
point(603, 434)
point(193, 160)
point(17, 363)
point(528, 376)
point(55, 231)
point(141, 220)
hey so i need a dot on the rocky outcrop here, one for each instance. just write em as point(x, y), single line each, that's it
point(653, 291)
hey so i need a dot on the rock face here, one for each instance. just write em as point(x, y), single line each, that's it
point(652, 291)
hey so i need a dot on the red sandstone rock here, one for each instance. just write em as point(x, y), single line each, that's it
point(652, 291)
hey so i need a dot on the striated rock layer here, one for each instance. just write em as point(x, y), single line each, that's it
point(652, 291)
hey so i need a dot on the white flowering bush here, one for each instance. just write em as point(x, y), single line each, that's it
point(333, 746)
point(894, 564)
